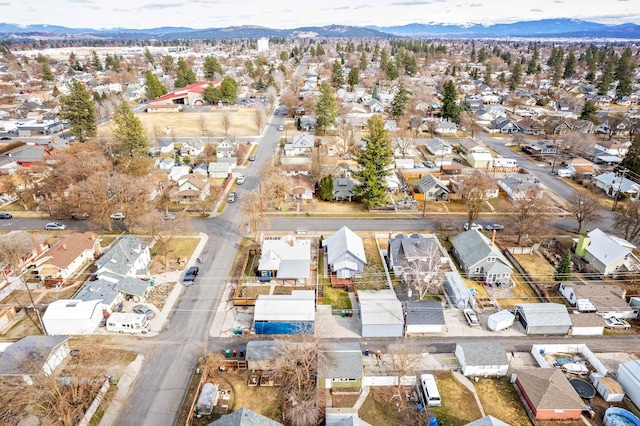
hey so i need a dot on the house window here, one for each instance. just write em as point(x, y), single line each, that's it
point(477, 271)
point(491, 259)
point(342, 379)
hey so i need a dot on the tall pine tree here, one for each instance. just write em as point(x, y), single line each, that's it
point(153, 87)
point(399, 103)
point(326, 108)
point(450, 108)
point(79, 109)
point(128, 132)
point(373, 161)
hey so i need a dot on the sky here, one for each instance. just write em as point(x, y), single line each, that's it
point(285, 14)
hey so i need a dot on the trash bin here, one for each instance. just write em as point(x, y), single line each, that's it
point(349, 314)
point(227, 353)
point(152, 282)
point(235, 353)
point(343, 314)
point(241, 353)
point(366, 352)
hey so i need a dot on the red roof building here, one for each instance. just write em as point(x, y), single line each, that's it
point(192, 94)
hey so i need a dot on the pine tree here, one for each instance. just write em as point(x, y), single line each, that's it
point(450, 108)
point(516, 76)
point(391, 70)
point(487, 75)
point(97, 64)
point(185, 76)
point(624, 73)
point(326, 188)
point(400, 100)
point(632, 160)
point(149, 57)
point(79, 109)
point(128, 132)
point(570, 65)
point(363, 64)
point(373, 161)
point(47, 75)
point(153, 87)
point(589, 111)
point(563, 271)
point(326, 108)
point(228, 90)
point(337, 78)
point(354, 77)
point(210, 67)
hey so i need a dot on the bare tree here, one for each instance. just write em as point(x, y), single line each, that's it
point(627, 221)
point(468, 121)
point(585, 207)
point(473, 190)
point(202, 124)
point(260, 116)
point(432, 125)
point(163, 230)
point(253, 215)
point(403, 144)
point(274, 186)
point(529, 214)
point(423, 275)
point(225, 122)
point(403, 364)
point(290, 100)
point(579, 144)
point(519, 139)
point(272, 95)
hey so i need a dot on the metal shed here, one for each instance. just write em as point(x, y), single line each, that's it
point(381, 313)
point(543, 318)
point(456, 289)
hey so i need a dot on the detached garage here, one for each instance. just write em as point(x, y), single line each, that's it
point(72, 317)
point(380, 313)
point(482, 359)
point(543, 318)
point(548, 393)
point(285, 314)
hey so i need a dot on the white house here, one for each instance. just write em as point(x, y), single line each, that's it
point(177, 172)
point(301, 145)
point(607, 253)
point(225, 149)
point(192, 148)
point(166, 164)
point(482, 359)
point(287, 259)
point(219, 170)
point(613, 184)
point(424, 317)
point(438, 147)
point(345, 253)
point(72, 317)
point(606, 299)
point(519, 185)
point(33, 355)
point(126, 257)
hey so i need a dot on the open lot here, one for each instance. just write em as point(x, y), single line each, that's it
point(500, 400)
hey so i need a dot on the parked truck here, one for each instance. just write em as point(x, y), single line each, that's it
point(128, 323)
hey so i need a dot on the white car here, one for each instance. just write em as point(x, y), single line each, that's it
point(474, 225)
point(471, 317)
point(55, 226)
point(118, 216)
point(240, 179)
point(614, 322)
point(281, 128)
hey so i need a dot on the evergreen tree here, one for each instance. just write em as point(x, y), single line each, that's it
point(47, 75)
point(399, 103)
point(326, 108)
point(55, 91)
point(128, 132)
point(326, 188)
point(210, 67)
point(168, 64)
point(97, 64)
point(570, 65)
point(589, 111)
point(153, 87)
point(487, 75)
point(384, 58)
point(563, 271)
point(624, 73)
point(391, 70)
point(79, 109)
point(337, 78)
point(516, 76)
point(185, 76)
point(212, 94)
point(228, 90)
point(632, 160)
point(373, 161)
point(450, 108)
point(363, 64)
point(320, 50)
point(149, 57)
point(251, 70)
point(608, 74)
point(354, 77)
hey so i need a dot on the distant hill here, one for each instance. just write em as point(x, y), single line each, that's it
point(543, 28)
point(567, 28)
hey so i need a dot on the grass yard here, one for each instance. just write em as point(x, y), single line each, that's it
point(252, 292)
point(500, 400)
point(380, 409)
point(501, 204)
point(336, 297)
point(458, 404)
point(340, 206)
point(537, 267)
point(374, 277)
point(179, 247)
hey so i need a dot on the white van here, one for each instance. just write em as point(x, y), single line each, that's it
point(128, 323)
point(428, 391)
point(564, 173)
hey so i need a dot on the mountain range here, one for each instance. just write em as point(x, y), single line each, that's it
point(547, 28)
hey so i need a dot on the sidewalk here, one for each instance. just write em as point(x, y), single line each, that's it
point(124, 383)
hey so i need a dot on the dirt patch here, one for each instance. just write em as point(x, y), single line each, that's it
point(382, 407)
point(160, 294)
point(537, 267)
point(500, 400)
point(180, 249)
point(344, 401)
point(458, 404)
point(23, 326)
point(340, 207)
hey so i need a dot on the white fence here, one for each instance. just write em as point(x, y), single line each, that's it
point(389, 380)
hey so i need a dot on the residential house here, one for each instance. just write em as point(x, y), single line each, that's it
point(615, 185)
point(66, 257)
point(541, 148)
point(606, 299)
point(102, 290)
point(391, 126)
point(416, 255)
point(477, 154)
point(343, 189)
point(587, 325)
point(492, 189)
point(166, 164)
point(433, 188)
point(529, 126)
point(177, 173)
point(503, 125)
point(446, 128)
point(345, 253)
point(219, 170)
point(548, 393)
point(424, 317)
point(201, 169)
point(226, 148)
point(438, 147)
point(375, 106)
point(72, 317)
point(287, 259)
point(520, 185)
point(381, 313)
point(32, 356)
point(24, 239)
point(244, 417)
point(125, 262)
point(404, 147)
point(300, 145)
point(192, 188)
point(611, 147)
point(192, 148)
point(165, 146)
point(607, 253)
point(302, 187)
point(285, 313)
point(479, 258)
point(482, 359)
point(340, 365)
point(580, 167)
point(543, 318)
point(308, 123)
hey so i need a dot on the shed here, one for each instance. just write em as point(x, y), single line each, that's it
point(456, 289)
point(482, 359)
point(628, 376)
point(33, 355)
point(340, 365)
point(260, 354)
point(74, 317)
point(285, 314)
point(380, 313)
point(424, 316)
point(548, 393)
point(587, 325)
point(500, 320)
point(607, 387)
point(543, 318)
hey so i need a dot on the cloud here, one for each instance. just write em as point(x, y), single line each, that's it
point(79, 1)
point(535, 9)
point(337, 8)
point(476, 5)
point(411, 3)
point(362, 6)
point(155, 6)
point(6, 3)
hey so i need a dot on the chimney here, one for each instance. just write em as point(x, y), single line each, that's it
point(417, 243)
point(291, 242)
point(64, 247)
point(493, 237)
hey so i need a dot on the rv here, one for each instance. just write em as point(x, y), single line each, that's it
point(564, 173)
point(504, 162)
point(428, 391)
point(128, 323)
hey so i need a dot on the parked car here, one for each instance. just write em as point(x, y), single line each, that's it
point(5, 138)
point(457, 160)
point(240, 179)
point(281, 127)
point(252, 158)
point(118, 216)
point(55, 226)
point(474, 225)
point(471, 317)
point(144, 310)
point(79, 216)
point(429, 164)
point(6, 215)
point(494, 227)
point(614, 322)
point(232, 197)
point(168, 216)
point(190, 275)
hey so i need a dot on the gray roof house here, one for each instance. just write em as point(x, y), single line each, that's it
point(300, 145)
point(33, 355)
point(219, 170)
point(438, 147)
point(345, 253)
point(421, 252)
point(482, 359)
point(611, 184)
point(225, 149)
point(286, 259)
point(340, 365)
point(125, 263)
point(433, 188)
point(480, 258)
point(244, 417)
point(343, 188)
point(543, 318)
point(424, 317)
point(487, 421)
point(607, 253)
point(99, 289)
point(518, 185)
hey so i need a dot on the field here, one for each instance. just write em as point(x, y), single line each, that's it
point(458, 404)
point(500, 400)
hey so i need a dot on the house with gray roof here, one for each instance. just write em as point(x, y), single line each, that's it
point(607, 253)
point(100, 290)
point(381, 313)
point(503, 125)
point(416, 254)
point(433, 188)
point(345, 253)
point(424, 317)
point(301, 145)
point(520, 185)
point(244, 417)
point(543, 318)
point(343, 188)
point(126, 263)
point(340, 365)
point(482, 359)
point(219, 170)
point(438, 147)
point(226, 148)
point(612, 183)
point(287, 259)
point(480, 259)
point(192, 148)
point(33, 355)
point(487, 421)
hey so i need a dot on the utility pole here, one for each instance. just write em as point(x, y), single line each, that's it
point(617, 193)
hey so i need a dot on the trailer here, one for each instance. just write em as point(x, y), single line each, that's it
point(500, 320)
point(128, 323)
